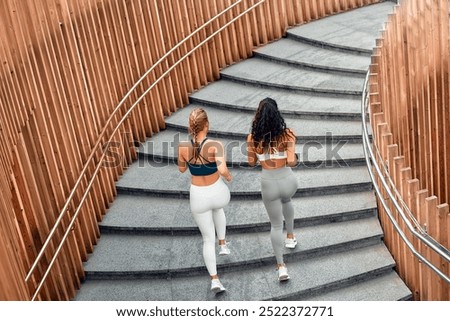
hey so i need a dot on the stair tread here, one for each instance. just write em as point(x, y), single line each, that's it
point(164, 145)
point(389, 287)
point(145, 212)
point(168, 253)
point(145, 176)
point(247, 97)
point(239, 124)
point(270, 73)
point(258, 283)
point(355, 29)
point(292, 51)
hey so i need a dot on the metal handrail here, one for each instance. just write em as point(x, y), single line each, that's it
point(397, 193)
point(124, 117)
point(371, 161)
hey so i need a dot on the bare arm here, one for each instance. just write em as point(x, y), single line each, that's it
point(251, 154)
point(182, 152)
point(292, 159)
point(221, 161)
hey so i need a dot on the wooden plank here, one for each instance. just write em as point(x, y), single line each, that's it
point(404, 175)
point(291, 14)
point(173, 37)
point(247, 26)
point(435, 282)
point(424, 272)
point(442, 225)
point(410, 189)
point(133, 41)
point(240, 35)
point(217, 45)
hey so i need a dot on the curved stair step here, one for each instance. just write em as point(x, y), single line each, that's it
point(164, 146)
point(388, 287)
point(275, 75)
point(353, 31)
point(164, 179)
point(153, 215)
point(164, 256)
point(308, 277)
point(231, 95)
point(231, 124)
point(297, 53)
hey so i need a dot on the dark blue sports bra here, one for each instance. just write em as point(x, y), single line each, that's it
point(205, 167)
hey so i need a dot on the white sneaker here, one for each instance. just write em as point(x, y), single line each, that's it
point(216, 286)
point(224, 250)
point(282, 273)
point(290, 243)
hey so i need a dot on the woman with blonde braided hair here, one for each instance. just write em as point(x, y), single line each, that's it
point(208, 194)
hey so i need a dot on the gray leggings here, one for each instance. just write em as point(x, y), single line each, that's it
point(277, 188)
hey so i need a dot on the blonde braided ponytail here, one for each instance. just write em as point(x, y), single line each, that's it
point(197, 121)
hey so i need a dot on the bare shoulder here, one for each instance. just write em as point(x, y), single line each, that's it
point(183, 148)
point(184, 145)
point(213, 144)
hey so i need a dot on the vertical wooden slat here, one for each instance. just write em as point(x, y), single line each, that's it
point(442, 217)
point(410, 188)
point(407, 266)
point(435, 282)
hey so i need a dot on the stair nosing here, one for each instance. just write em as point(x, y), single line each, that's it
point(371, 278)
point(327, 45)
point(240, 228)
point(318, 138)
point(311, 90)
point(291, 113)
point(336, 285)
point(256, 195)
point(357, 161)
point(311, 66)
point(310, 254)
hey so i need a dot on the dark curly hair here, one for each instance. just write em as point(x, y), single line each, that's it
point(268, 127)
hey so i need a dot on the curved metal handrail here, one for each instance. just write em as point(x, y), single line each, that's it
point(124, 117)
point(371, 161)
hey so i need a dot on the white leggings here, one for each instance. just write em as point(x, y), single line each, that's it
point(277, 188)
point(207, 204)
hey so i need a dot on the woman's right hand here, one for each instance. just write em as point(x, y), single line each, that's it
point(228, 177)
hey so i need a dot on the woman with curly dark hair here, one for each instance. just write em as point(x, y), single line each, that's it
point(273, 145)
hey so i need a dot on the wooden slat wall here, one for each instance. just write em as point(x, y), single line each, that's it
point(410, 109)
point(65, 66)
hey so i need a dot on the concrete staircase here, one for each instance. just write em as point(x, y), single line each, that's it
point(150, 248)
